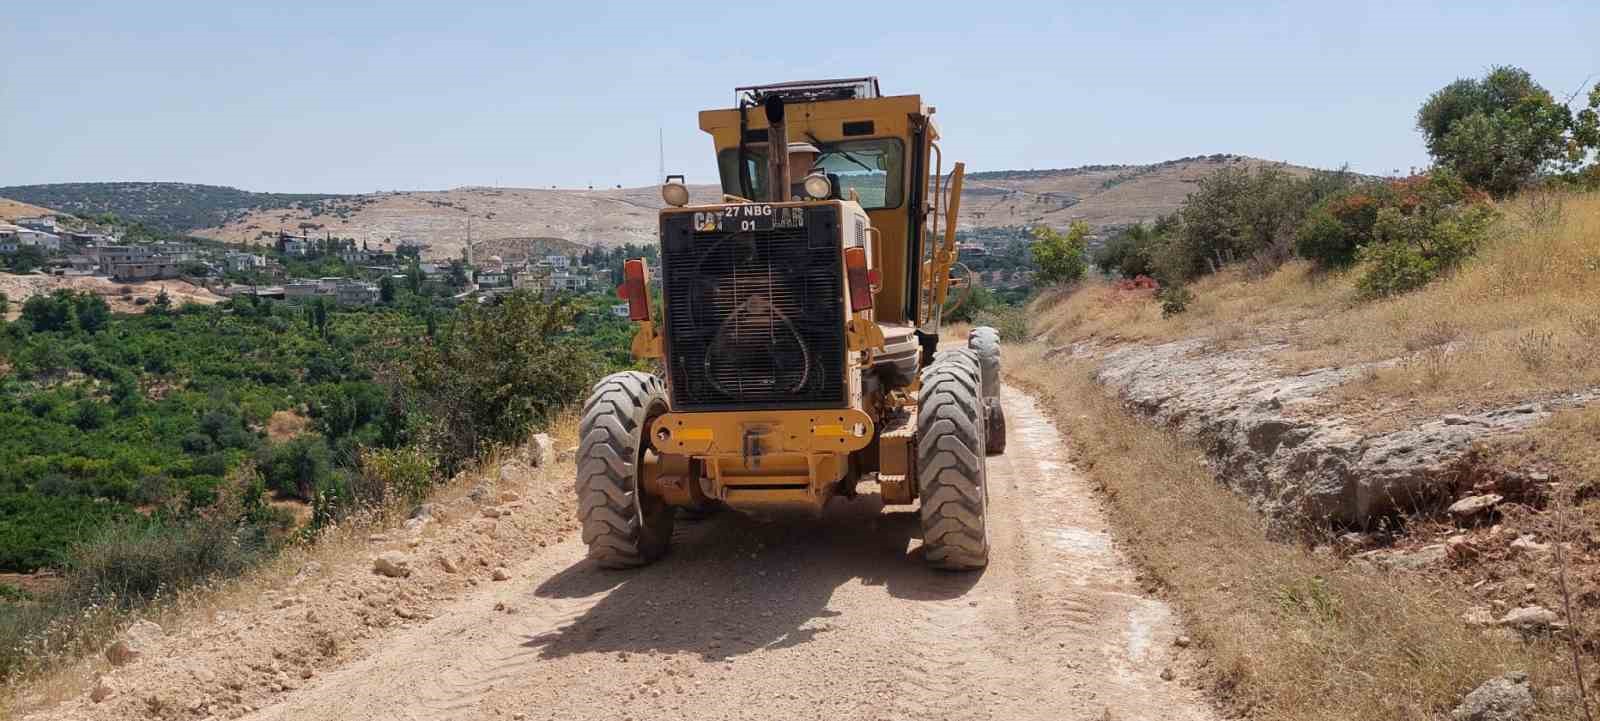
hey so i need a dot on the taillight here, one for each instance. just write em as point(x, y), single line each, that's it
point(635, 289)
point(855, 269)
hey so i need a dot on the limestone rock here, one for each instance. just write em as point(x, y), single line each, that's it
point(1471, 507)
point(1507, 698)
point(1530, 619)
point(541, 450)
point(501, 574)
point(136, 641)
point(393, 564)
point(1528, 546)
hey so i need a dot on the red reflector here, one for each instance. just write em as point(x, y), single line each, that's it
point(635, 289)
point(855, 269)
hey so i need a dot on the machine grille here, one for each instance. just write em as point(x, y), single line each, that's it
point(754, 319)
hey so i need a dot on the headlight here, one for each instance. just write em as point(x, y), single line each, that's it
point(818, 187)
point(675, 193)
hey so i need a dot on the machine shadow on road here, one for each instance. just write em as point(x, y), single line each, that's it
point(734, 584)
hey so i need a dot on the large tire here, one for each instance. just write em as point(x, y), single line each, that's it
point(985, 343)
point(950, 467)
point(623, 527)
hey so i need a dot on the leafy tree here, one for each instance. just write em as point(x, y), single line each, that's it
point(497, 371)
point(162, 304)
point(91, 311)
point(386, 290)
point(1128, 252)
point(298, 467)
point(27, 258)
point(5, 304)
point(48, 313)
point(1061, 258)
point(1497, 132)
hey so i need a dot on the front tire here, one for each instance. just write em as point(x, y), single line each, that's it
point(950, 466)
point(623, 527)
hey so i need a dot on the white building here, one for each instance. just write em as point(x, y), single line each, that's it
point(240, 262)
point(16, 237)
point(45, 223)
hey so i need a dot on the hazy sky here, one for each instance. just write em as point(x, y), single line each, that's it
point(341, 97)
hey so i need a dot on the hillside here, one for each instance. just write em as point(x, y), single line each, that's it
point(1434, 451)
point(174, 207)
point(1101, 195)
point(439, 219)
point(10, 210)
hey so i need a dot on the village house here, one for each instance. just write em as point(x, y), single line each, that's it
point(148, 268)
point(16, 237)
point(43, 223)
point(241, 262)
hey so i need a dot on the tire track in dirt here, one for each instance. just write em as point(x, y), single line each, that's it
point(833, 617)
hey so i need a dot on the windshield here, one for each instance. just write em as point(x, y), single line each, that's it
point(872, 168)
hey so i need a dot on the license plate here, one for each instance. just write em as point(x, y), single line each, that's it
point(748, 216)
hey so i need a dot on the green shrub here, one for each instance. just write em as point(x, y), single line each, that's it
point(1410, 250)
point(134, 562)
point(1174, 299)
point(398, 474)
point(298, 467)
point(1128, 252)
point(498, 371)
point(1060, 258)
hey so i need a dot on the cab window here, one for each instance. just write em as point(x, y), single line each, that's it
point(874, 169)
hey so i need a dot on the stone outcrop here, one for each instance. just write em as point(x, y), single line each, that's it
point(1273, 439)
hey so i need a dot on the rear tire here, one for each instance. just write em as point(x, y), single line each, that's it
point(950, 466)
point(623, 527)
point(984, 342)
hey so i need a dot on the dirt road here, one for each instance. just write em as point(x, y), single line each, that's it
point(800, 618)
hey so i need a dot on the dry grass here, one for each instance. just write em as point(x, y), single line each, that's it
point(1520, 320)
point(1291, 634)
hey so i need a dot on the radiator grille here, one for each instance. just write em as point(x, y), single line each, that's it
point(754, 319)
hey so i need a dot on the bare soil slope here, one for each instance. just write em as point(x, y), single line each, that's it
point(788, 618)
point(1098, 195)
point(121, 297)
point(10, 210)
point(440, 218)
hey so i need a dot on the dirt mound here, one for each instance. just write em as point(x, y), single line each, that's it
point(122, 297)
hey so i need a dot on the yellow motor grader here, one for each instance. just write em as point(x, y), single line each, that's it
point(798, 336)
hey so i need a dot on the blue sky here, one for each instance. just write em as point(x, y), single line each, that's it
point(342, 97)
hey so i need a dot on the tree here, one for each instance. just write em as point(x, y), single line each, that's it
point(25, 259)
point(1127, 253)
point(163, 303)
point(1061, 258)
point(5, 305)
point(91, 311)
point(49, 312)
point(498, 370)
point(1498, 132)
point(386, 290)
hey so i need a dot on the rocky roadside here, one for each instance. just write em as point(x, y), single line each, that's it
point(276, 632)
point(1277, 439)
point(1415, 500)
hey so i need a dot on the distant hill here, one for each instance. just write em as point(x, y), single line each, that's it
point(1101, 195)
point(176, 207)
point(10, 210)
